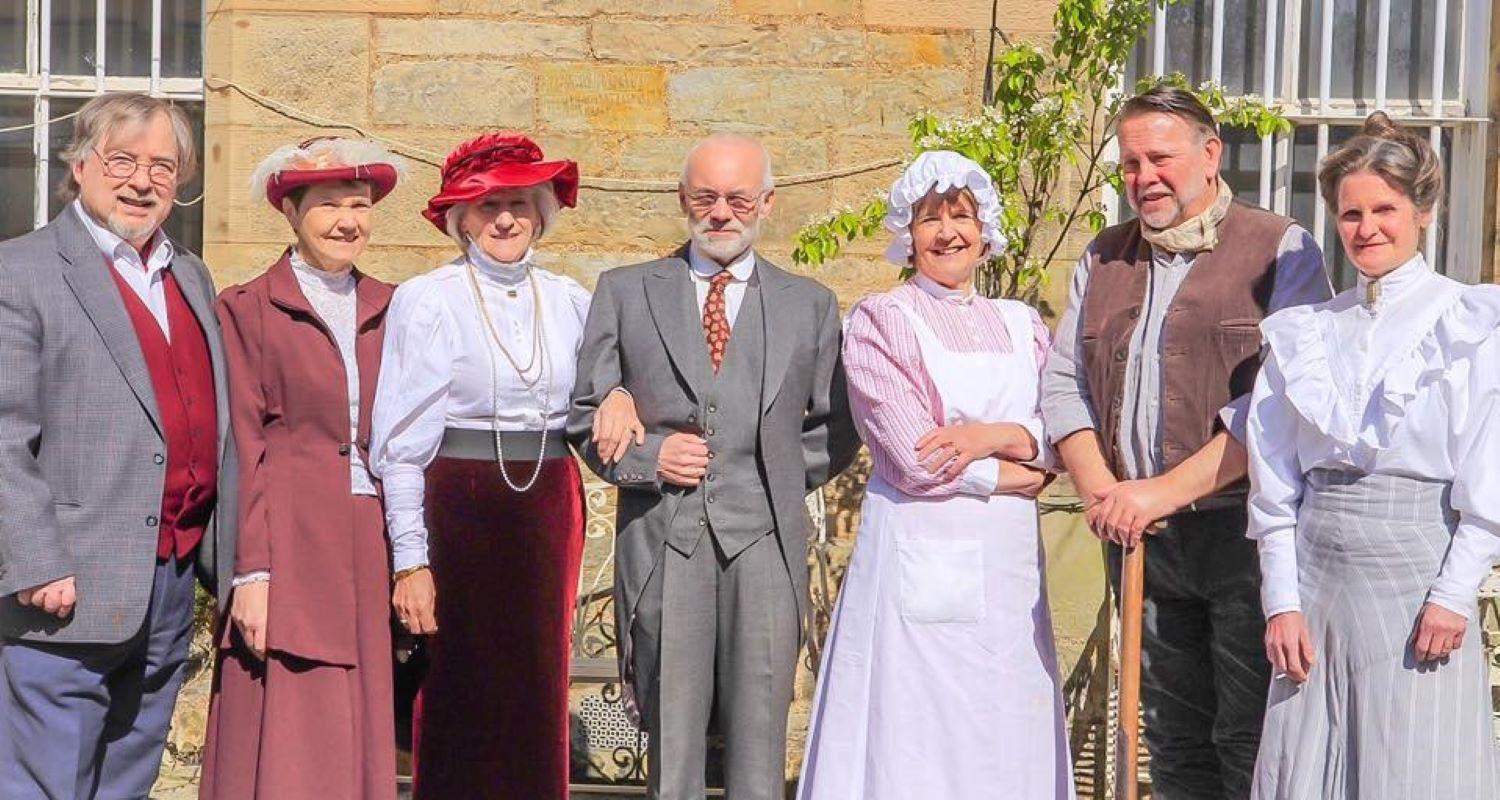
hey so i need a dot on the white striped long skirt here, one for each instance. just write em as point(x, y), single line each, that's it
point(1370, 723)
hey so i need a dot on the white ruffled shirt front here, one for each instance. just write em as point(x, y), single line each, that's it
point(1405, 385)
point(435, 373)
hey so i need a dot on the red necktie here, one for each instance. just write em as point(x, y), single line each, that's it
point(716, 318)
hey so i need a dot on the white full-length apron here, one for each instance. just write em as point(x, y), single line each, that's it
point(939, 678)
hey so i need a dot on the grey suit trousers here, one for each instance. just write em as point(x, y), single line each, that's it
point(729, 632)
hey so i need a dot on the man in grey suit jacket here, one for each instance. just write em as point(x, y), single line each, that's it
point(115, 475)
point(734, 368)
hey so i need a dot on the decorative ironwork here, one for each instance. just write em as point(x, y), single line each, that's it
point(608, 747)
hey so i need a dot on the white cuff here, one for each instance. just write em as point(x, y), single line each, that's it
point(1279, 591)
point(259, 576)
point(980, 477)
point(405, 493)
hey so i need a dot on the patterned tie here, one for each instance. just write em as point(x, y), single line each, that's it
point(716, 318)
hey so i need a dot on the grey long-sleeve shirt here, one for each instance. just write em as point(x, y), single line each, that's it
point(1066, 405)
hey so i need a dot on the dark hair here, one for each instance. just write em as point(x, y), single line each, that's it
point(1402, 157)
point(1164, 98)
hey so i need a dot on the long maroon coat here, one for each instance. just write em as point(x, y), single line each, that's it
point(315, 719)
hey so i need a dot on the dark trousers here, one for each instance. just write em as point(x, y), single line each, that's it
point(89, 722)
point(1204, 673)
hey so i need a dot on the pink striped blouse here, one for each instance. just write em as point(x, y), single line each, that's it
point(895, 402)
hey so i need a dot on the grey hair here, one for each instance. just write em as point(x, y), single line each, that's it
point(1401, 157)
point(106, 113)
point(543, 195)
point(767, 181)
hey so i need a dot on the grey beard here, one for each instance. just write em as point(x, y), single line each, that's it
point(129, 232)
point(724, 252)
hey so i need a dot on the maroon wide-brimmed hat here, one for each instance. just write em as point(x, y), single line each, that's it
point(496, 161)
point(324, 159)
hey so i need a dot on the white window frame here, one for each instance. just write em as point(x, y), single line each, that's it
point(1466, 117)
point(39, 82)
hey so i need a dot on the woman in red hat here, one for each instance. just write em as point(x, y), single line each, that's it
point(302, 702)
point(484, 503)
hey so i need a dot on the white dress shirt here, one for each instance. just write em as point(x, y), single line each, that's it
point(1406, 385)
point(145, 278)
point(703, 269)
point(435, 373)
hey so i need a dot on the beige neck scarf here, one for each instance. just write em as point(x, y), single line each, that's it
point(1197, 234)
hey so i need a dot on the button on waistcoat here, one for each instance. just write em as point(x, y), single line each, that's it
point(731, 503)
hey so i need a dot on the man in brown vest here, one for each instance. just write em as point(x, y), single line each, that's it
point(1144, 396)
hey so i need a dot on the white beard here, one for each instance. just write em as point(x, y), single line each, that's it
point(724, 251)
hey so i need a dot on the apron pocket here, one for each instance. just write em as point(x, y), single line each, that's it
point(942, 580)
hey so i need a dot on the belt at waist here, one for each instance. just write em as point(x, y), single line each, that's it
point(477, 445)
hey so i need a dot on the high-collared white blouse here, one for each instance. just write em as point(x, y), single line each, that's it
point(332, 297)
point(1405, 384)
point(436, 373)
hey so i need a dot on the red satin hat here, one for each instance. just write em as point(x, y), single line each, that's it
point(495, 161)
point(327, 159)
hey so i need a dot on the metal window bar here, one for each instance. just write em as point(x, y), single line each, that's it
point(101, 27)
point(155, 46)
point(1267, 144)
point(1382, 52)
point(1465, 116)
point(1435, 135)
point(40, 135)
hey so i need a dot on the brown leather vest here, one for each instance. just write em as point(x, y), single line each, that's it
point(1210, 342)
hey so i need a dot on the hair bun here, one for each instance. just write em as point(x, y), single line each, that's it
point(1379, 125)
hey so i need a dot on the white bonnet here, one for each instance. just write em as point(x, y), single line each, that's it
point(940, 170)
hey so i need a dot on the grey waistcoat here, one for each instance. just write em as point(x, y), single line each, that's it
point(731, 502)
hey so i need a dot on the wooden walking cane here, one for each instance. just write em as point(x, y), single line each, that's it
point(1127, 739)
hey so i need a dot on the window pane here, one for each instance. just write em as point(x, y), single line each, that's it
point(73, 25)
point(1356, 41)
point(17, 167)
point(185, 225)
point(1240, 165)
point(59, 134)
point(13, 37)
point(127, 37)
point(182, 38)
point(1305, 196)
point(1190, 44)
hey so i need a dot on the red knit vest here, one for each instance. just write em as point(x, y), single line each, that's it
point(183, 378)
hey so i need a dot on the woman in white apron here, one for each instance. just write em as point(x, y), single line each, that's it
point(939, 678)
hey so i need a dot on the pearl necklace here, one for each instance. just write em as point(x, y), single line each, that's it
point(538, 351)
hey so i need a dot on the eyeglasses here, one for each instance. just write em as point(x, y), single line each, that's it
point(123, 167)
point(740, 204)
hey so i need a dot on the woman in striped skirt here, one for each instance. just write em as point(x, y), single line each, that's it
point(1374, 441)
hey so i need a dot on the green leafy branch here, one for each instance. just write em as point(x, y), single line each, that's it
point(1042, 136)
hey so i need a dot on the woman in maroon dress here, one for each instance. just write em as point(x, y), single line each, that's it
point(303, 699)
point(484, 501)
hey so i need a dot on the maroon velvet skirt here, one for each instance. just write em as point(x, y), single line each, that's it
point(491, 718)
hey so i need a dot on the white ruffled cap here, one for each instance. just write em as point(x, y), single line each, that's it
point(940, 171)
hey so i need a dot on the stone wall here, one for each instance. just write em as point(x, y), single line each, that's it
point(622, 86)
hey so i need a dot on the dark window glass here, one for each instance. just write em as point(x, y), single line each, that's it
point(127, 37)
point(13, 36)
point(73, 46)
point(181, 38)
point(17, 166)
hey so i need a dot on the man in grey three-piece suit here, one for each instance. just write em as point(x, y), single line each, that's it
point(114, 476)
point(733, 365)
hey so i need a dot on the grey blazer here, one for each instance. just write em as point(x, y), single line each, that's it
point(645, 333)
point(80, 439)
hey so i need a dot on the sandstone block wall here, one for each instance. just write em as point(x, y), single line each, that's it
point(622, 86)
